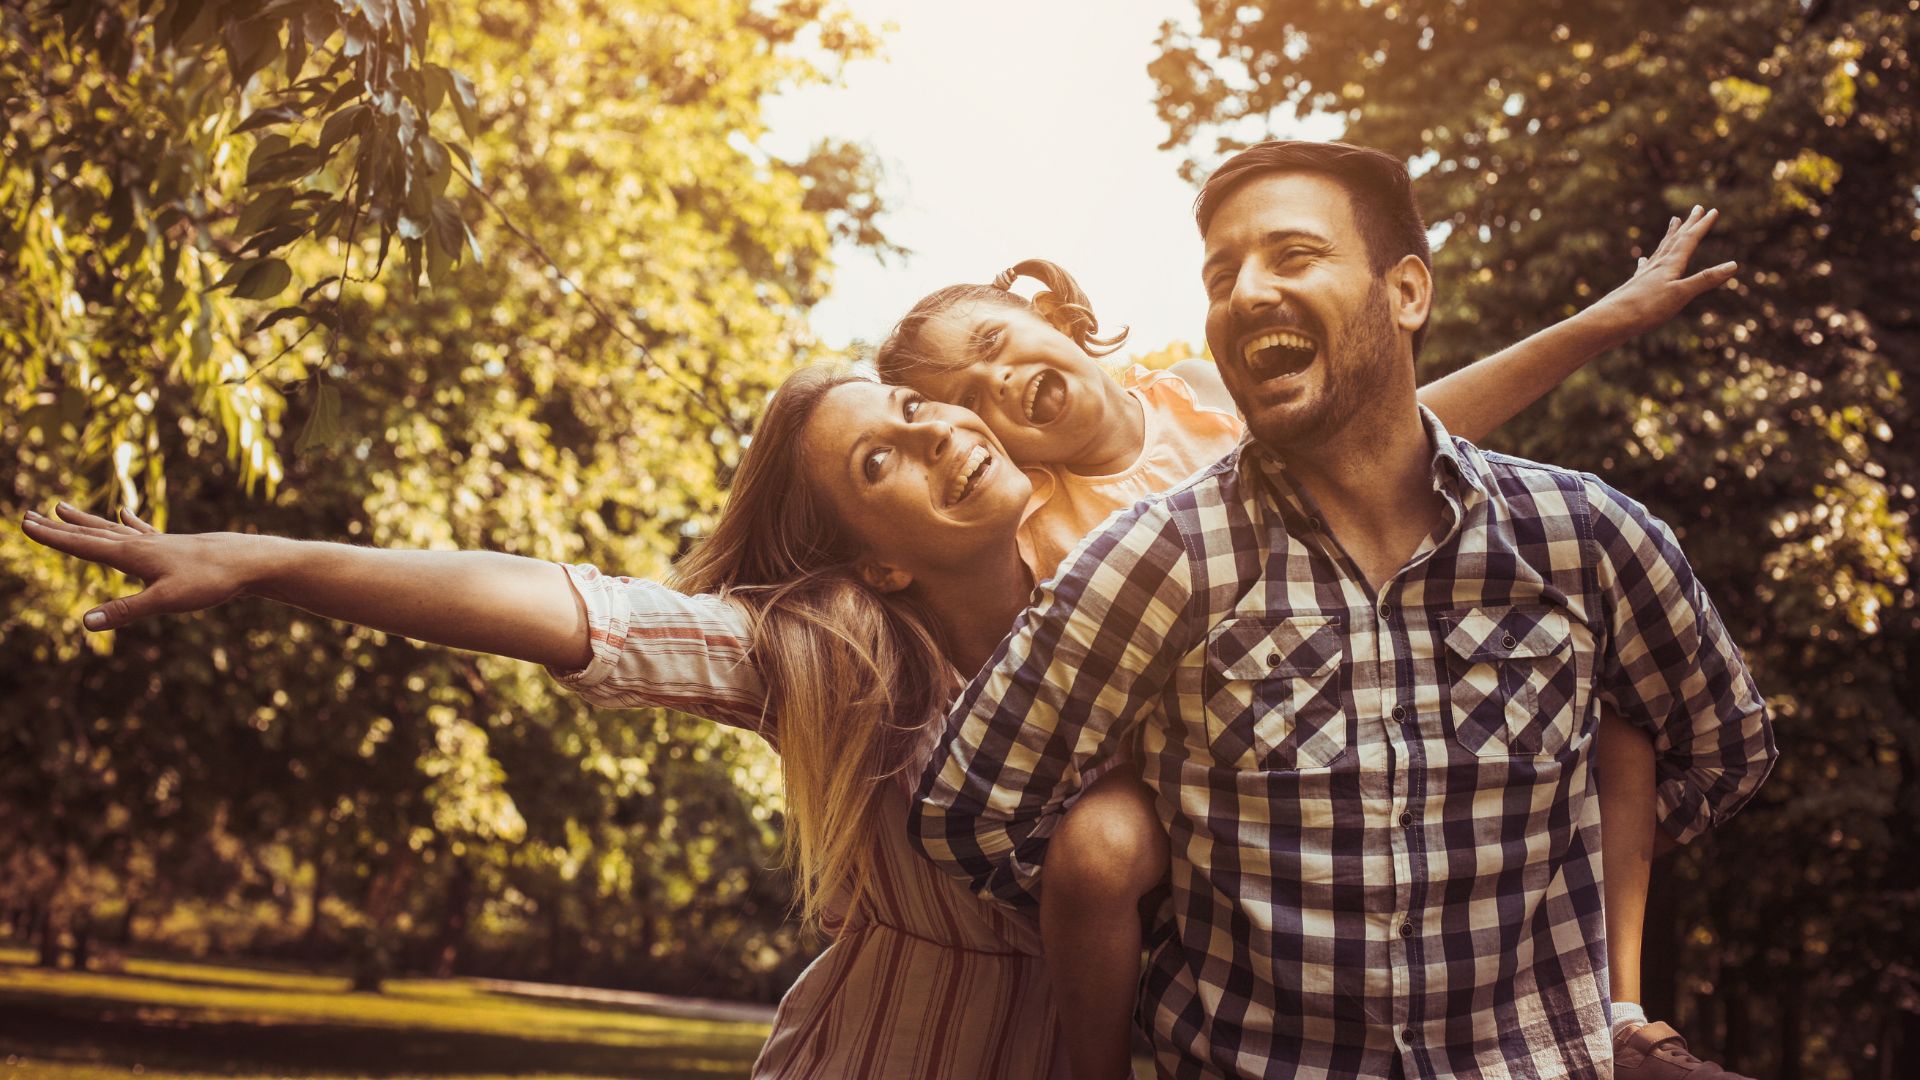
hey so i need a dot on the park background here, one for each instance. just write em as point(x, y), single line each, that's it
point(520, 276)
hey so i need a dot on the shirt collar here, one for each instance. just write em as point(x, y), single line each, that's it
point(1454, 471)
point(1451, 468)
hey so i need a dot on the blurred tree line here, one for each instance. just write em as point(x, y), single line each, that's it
point(1773, 425)
point(513, 276)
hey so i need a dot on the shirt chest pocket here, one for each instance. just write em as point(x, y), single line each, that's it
point(1275, 691)
point(1511, 680)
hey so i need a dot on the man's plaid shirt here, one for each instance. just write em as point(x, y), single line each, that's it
point(1385, 842)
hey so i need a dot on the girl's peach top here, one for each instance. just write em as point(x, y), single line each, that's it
point(1183, 437)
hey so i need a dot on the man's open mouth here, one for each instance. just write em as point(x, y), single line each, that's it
point(966, 480)
point(1278, 354)
point(1046, 398)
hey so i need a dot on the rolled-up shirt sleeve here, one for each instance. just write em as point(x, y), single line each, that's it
point(1055, 704)
point(1672, 670)
point(654, 647)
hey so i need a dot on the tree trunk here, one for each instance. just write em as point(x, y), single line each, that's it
point(82, 942)
point(49, 937)
point(310, 937)
point(459, 912)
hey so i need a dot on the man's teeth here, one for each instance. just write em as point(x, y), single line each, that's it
point(1033, 392)
point(1280, 338)
point(962, 480)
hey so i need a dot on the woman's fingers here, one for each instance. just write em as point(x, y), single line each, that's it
point(69, 527)
point(132, 519)
point(120, 611)
point(74, 515)
point(75, 541)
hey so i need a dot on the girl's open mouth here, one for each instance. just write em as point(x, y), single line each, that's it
point(1046, 398)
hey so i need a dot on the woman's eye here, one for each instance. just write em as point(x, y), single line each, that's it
point(910, 407)
point(969, 400)
point(874, 461)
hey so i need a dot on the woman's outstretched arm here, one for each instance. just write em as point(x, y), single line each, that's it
point(483, 601)
point(1481, 396)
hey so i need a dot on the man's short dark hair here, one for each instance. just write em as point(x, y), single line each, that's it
point(1376, 181)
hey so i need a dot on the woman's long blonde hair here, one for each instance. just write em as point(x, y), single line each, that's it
point(853, 677)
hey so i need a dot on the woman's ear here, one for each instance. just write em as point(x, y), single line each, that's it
point(884, 578)
point(1411, 286)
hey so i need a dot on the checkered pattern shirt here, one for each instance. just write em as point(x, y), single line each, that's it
point(1385, 843)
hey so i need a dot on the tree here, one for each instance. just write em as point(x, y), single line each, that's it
point(1551, 141)
point(583, 393)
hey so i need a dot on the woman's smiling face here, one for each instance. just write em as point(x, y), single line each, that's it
point(922, 486)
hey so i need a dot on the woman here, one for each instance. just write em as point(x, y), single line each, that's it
point(866, 554)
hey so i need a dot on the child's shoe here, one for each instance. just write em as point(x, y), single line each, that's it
point(1657, 1052)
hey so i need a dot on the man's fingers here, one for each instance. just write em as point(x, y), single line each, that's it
point(133, 520)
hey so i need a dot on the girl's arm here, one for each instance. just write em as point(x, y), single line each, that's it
point(1480, 397)
point(478, 600)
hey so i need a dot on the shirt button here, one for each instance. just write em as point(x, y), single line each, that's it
point(1314, 524)
point(1406, 822)
point(1508, 642)
point(1406, 929)
point(1386, 611)
point(1400, 713)
point(1408, 1036)
point(1273, 659)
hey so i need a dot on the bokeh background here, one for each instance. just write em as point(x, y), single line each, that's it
point(520, 276)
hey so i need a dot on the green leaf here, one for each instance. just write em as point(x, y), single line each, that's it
point(448, 229)
point(323, 421)
point(466, 158)
point(465, 103)
point(278, 315)
point(269, 207)
point(278, 114)
point(234, 273)
point(268, 279)
point(307, 294)
point(272, 240)
point(347, 121)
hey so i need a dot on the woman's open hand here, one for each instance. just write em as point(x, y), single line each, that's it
point(187, 572)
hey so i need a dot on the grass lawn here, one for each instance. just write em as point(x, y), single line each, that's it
point(161, 1020)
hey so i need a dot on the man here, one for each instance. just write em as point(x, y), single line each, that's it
point(1378, 655)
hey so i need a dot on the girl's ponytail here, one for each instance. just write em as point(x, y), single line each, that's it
point(1062, 303)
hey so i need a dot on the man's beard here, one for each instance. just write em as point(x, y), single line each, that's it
point(1356, 364)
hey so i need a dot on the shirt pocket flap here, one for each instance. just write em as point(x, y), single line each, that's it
point(1490, 634)
point(1256, 648)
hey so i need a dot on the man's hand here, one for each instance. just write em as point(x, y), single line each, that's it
point(182, 573)
point(1660, 287)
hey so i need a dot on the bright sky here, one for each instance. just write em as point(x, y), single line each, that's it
point(1013, 129)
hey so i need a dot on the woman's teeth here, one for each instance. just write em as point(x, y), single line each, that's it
point(969, 474)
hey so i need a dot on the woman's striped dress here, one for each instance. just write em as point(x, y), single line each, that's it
point(926, 981)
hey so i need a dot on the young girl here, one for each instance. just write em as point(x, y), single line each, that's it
point(1094, 443)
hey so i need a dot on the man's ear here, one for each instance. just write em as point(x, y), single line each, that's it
point(884, 578)
point(1410, 291)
